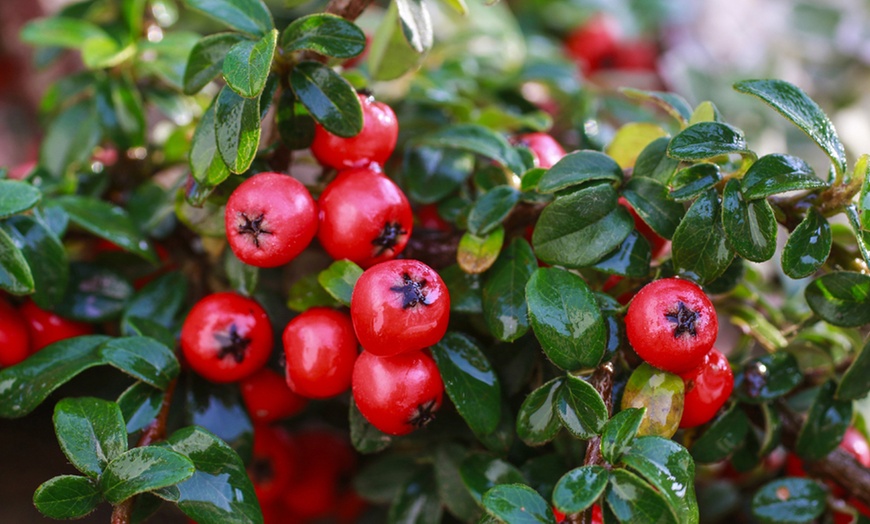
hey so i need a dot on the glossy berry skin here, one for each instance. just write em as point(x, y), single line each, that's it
point(592, 44)
point(364, 217)
point(544, 148)
point(226, 337)
point(268, 398)
point(373, 145)
point(671, 324)
point(399, 306)
point(707, 388)
point(14, 337)
point(270, 218)
point(856, 445)
point(320, 349)
point(658, 245)
point(271, 469)
point(46, 327)
point(397, 394)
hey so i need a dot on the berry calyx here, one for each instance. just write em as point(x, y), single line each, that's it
point(372, 145)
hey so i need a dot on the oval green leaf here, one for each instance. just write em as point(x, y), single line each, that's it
point(324, 33)
point(45, 256)
point(479, 140)
point(578, 168)
point(431, 174)
point(339, 279)
point(700, 247)
point(143, 469)
point(247, 16)
point(140, 404)
point(808, 246)
point(694, 180)
point(477, 254)
point(206, 60)
point(654, 162)
point(329, 98)
point(724, 435)
point(841, 298)
point(17, 197)
point(581, 408)
point(67, 497)
point(517, 504)
point(490, 210)
point(364, 437)
point(504, 291)
point(633, 501)
point(91, 432)
point(206, 165)
point(789, 501)
point(247, 64)
point(706, 140)
point(854, 384)
point(651, 202)
point(481, 471)
point(15, 274)
point(417, 501)
point(670, 469)
point(579, 488)
point(773, 174)
point(537, 421)
point(617, 434)
point(142, 358)
point(237, 130)
point(750, 226)
point(825, 425)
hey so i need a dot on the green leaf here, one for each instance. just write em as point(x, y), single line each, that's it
point(121, 112)
point(862, 237)
point(431, 174)
point(219, 409)
point(481, 471)
point(61, 31)
point(307, 292)
point(470, 381)
point(390, 53)
point(365, 437)
point(854, 384)
point(578, 168)
point(654, 162)
point(670, 469)
point(206, 60)
point(324, 33)
point(792, 103)
point(103, 53)
point(633, 501)
point(417, 501)
point(451, 490)
point(694, 180)
point(380, 480)
point(661, 394)
point(44, 254)
point(70, 139)
point(142, 358)
point(160, 301)
point(94, 294)
point(339, 279)
point(247, 64)
point(206, 165)
point(167, 58)
point(67, 497)
point(107, 221)
point(632, 258)
point(17, 197)
point(248, 16)
point(479, 140)
point(581, 228)
point(15, 274)
point(768, 377)
point(750, 226)
point(565, 318)
point(724, 435)
point(329, 98)
point(91, 433)
point(464, 288)
point(477, 254)
point(143, 469)
point(579, 488)
point(808, 246)
point(789, 501)
point(581, 408)
point(517, 504)
point(842, 298)
point(219, 490)
point(237, 130)
point(242, 277)
point(651, 202)
point(706, 140)
point(700, 247)
point(825, 425)
point(537, 421)
point(773, 174)
point(140, 404)
point(504, 291)
point(490, 210)
point(617, 434)
point(671, 103)
point(416, 24)
point(705, 112)
point(25, 386)
point(295, 124)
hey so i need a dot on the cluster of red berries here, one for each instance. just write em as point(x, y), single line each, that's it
point(29, 328)
point(598, 45)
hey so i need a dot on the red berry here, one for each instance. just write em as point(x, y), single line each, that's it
point(671, 324)
point(268, 398)
point(14, 338)
point(544, 148)
point(707, 388)
point(46, 327)
point(856, 445)
point(320, 349)
point(592, 45)
point(658, 245)
point(226, 337)
point(374, 144)
point(399, 306)
point(635, 55)
point(364, 217)
point(324, 459)
point(397, 394)
point(271, 468)
point(560, 517)
point(429, 218)
point(270, 218)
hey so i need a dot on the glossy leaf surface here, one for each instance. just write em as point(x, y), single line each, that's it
point(91, 433)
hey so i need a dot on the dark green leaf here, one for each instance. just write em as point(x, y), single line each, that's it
point(690, 182)
point(772, 174)
point(631, 258)
point(480, 140)
point(416, 24)
point(750, 226)
point(661, 394)
point(243, 278)
point(841, 298)
point(329, 98)
point(67, 497)
point(633, 501)
point(470, 381)
point(307, 292)
point(504, 291)
point(247, 64)
point(825, 425)
point(789, 501)
point(143, 469)
point(581, 228)
point(792, 103)
point(417, 501)
point(139, 404)
point(324, 33)
point(654, 162)
point(237, 133)
point(650, 200)
point(365, 437)
point(70, 139)
point(700, 247)
point(481, 471)
point(579, 488)
point(671, 103)
point(578, 168)
point(451, 490)
point(390, 53)
point(220, 409)
point(15, 274)
point(247, 16)
point(491, 209)
point(25, 386)
point(45, 256)
point(517, 504)
point(617, 434)
point(768, 377)
point(94, 294)
point(91, 433)
point(433, 173)
point(808, 246)
point(501, 440)
point(295, 124)
point(537, 420)
point(477, 254)
point(854, 384)
point(142, 358)
point(706, 140)
point(722, 437)
point(670, 469)
point(379, 481)
point(581, 408)
point(17, 197)
point(121, 113)
point(206, 60)
point(166, 59)
point(219, 490)
point(160, 301)
point(565, 318)
point(465, 290)
point(206, 164)
point(339, 279)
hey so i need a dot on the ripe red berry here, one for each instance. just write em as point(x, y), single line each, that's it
point(46, 327)
point(707, 388)
point(399, 306)
point(271, 468)
point(374, 144)
point(658, 245)
point(226, 337)
point(592, 44)
point(635, 55)
point(544, 148)
point(856, 445)
point(324, 461)
point(268, 398)
point(671, 324)
point(364, 217)
point(397, 394)
point(270, 218)
point(14, 337)
point(320, 349)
